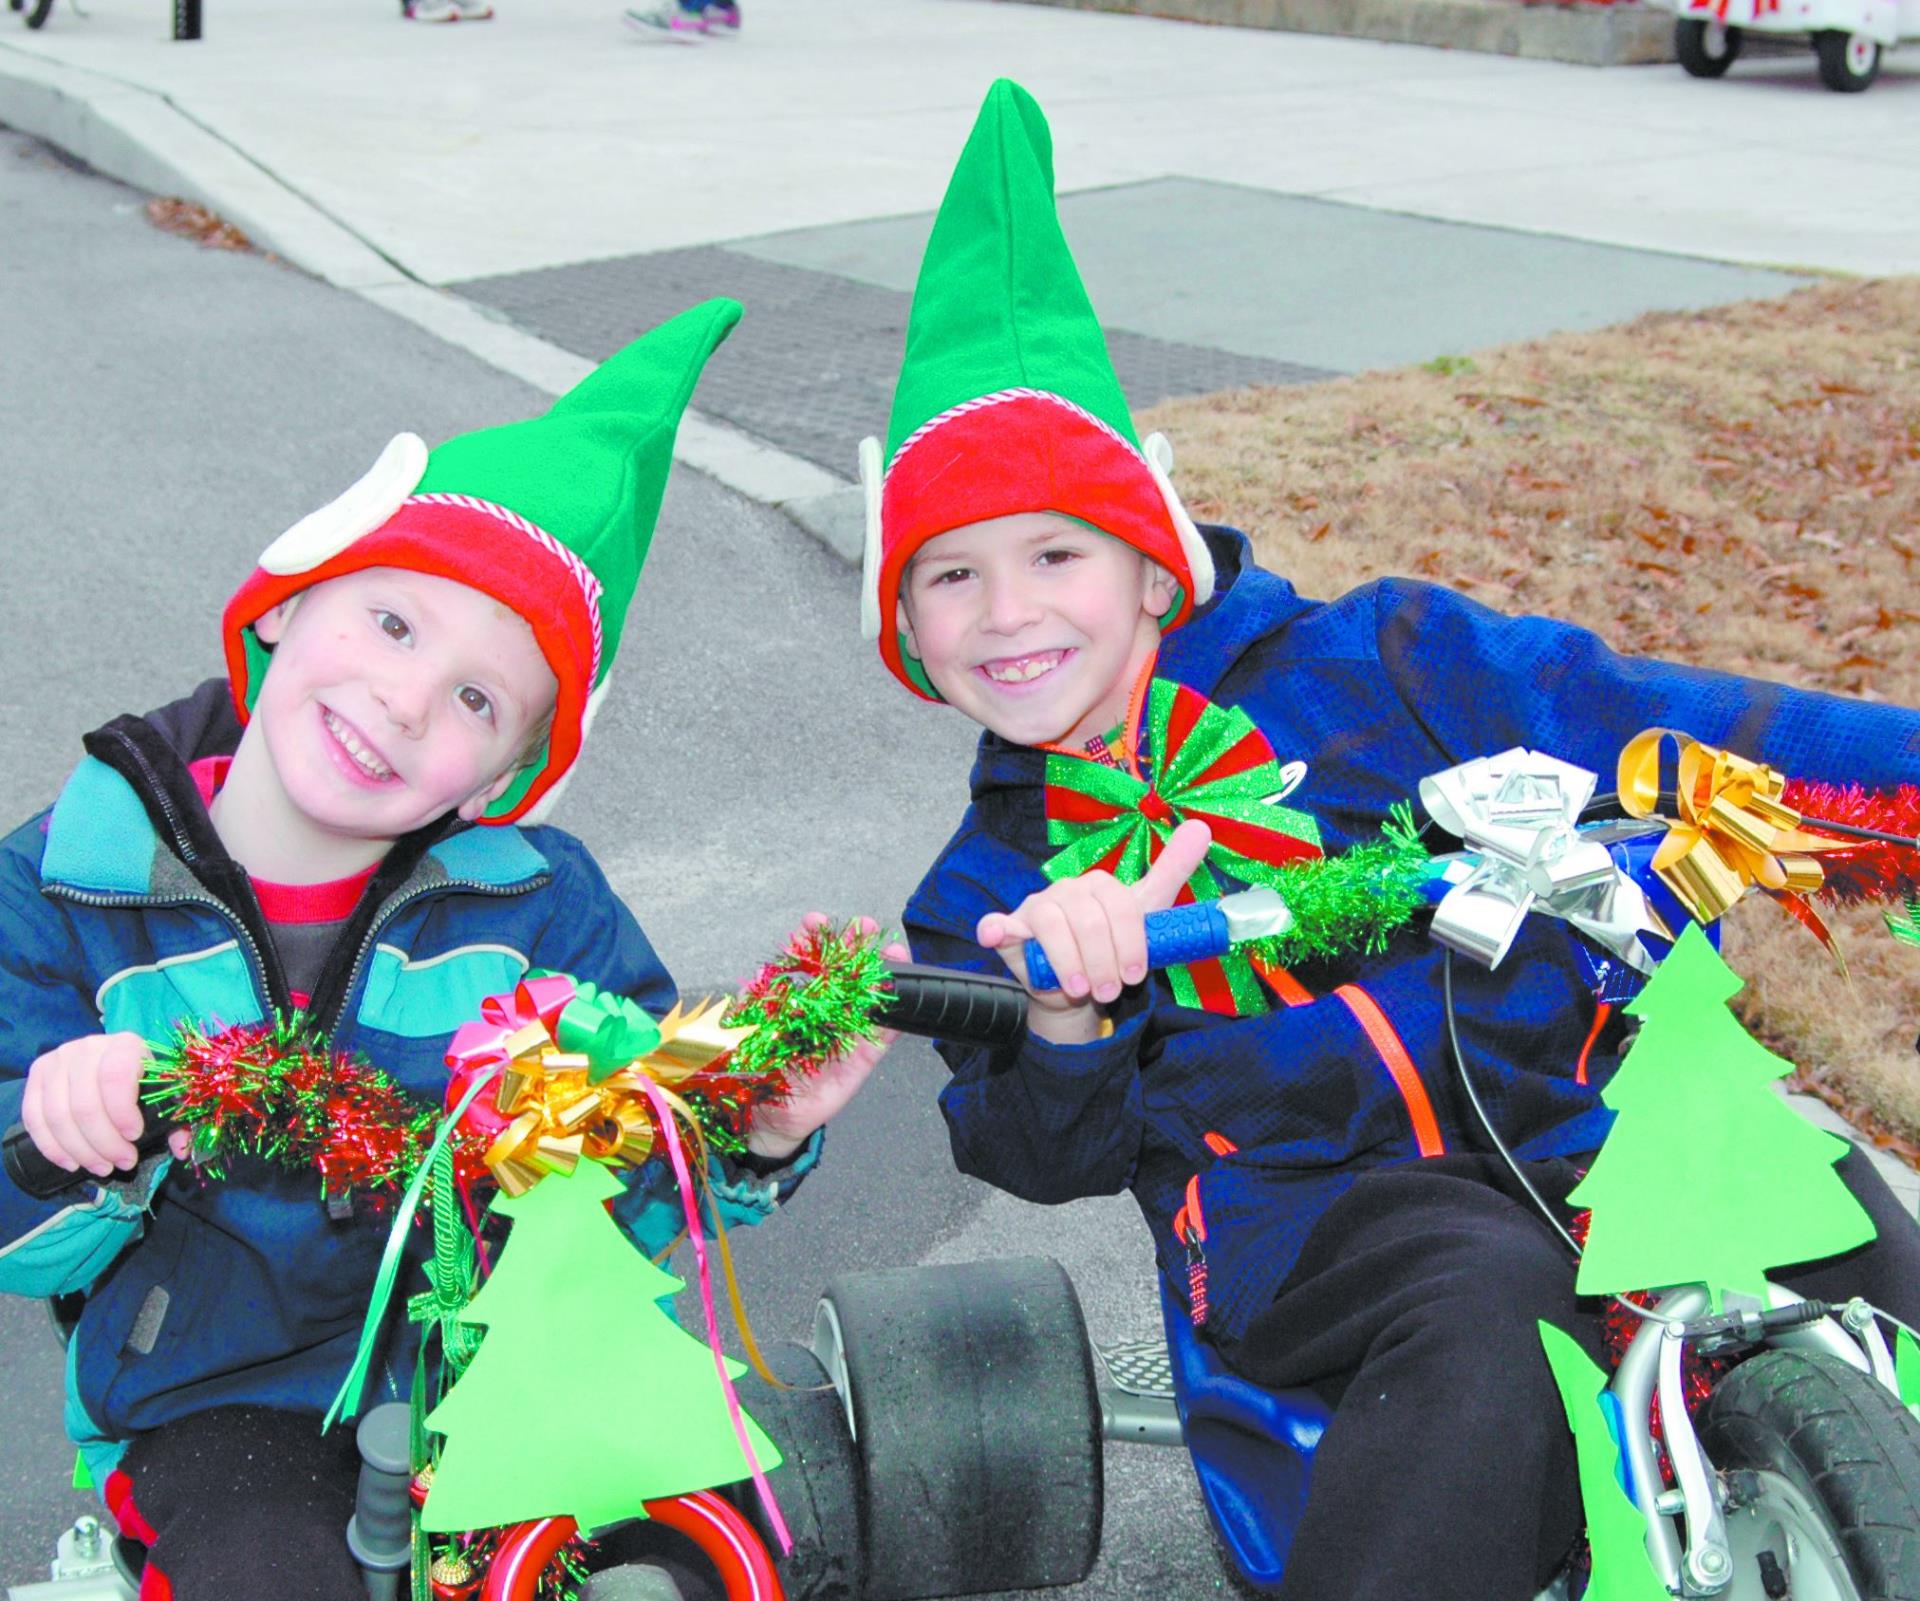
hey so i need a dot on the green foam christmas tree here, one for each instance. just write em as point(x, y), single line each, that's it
point(1616, 1530)
point(1708, 1176)
point(585, 1398)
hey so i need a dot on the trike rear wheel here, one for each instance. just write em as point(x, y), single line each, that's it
point(1822, 1467)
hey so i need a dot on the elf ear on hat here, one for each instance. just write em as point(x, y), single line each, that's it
point(1007, 400)
point(551, 517)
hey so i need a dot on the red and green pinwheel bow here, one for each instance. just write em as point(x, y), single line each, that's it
point(1208, 762)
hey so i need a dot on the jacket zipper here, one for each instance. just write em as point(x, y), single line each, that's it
point(184, 849)
point(1190, 1228)
point(398, 905)
point(84, 897)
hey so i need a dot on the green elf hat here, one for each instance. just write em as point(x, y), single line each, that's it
point(1007, 400)
point(551, 517)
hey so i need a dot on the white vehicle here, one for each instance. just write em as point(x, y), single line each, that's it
point(1849, 36)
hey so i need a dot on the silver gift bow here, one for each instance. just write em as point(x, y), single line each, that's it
point(1518, 812)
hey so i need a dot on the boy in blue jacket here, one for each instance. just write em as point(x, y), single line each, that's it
point(1294, 1139)
point(348, 828)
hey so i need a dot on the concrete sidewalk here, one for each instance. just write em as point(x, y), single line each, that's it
point(552, 136)
point(1248, 206)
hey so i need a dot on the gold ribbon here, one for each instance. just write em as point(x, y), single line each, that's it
point(559, 1115)
point(1733, 833)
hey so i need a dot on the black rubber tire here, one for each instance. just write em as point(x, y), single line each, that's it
point(37, 12)
point(1840, 1440)
point(1833, 47)
point(1693, 48)
point(818, 1483)
point(972, 1395)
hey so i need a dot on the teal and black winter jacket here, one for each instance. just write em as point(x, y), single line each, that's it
point(120, 910)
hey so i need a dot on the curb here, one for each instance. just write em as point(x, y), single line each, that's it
point(1901, 1179)
point(143, 138)
point(1587, 35)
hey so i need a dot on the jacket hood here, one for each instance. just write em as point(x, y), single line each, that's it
point(1249, 603)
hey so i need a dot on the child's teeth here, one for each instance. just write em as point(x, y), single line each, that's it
point(1019, 672)
point(369, 763)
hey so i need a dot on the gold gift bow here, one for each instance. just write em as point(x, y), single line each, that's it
point(1732, 834)
point(559, 1116)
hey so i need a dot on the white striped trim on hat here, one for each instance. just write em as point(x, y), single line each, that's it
point(590, 586)
point(1157, 458)
point(999, 398)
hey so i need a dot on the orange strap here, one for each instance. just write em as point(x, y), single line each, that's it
point(1284, 984)
point(1600, 1015)
point(1367, 1013)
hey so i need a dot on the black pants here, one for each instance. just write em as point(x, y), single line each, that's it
point(246, 1501)
point(1448, 1471)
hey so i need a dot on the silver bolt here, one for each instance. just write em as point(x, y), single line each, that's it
point(86, 1536)
point(1856, 1315)
point(1711, 1561)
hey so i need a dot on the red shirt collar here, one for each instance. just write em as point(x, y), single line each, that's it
point(286, 903)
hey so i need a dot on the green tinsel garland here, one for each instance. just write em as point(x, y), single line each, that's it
point(1353, 902)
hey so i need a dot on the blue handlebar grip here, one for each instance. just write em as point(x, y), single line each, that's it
point(1178, 935)
point(1183, 934)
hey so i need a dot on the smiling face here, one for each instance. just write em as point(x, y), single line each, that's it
point(1034, 625)
point(392, 697)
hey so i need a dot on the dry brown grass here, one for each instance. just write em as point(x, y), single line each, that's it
point(1738, 488)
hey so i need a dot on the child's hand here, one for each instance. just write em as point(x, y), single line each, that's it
point(780, 1128)
point(82, 1104)
point(1093, 929)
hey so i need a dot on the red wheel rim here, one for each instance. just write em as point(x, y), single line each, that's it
point(725, 1538)
point(514, 1573)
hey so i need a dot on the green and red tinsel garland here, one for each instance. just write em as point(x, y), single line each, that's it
point(815, 1001)
point(275, 1091)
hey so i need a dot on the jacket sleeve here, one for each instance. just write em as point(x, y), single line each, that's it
point(50, 1247)
point(594, 936)
point(1042, 1121)
point(1480, 682)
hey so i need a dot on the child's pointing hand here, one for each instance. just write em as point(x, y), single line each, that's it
point(1093, 929)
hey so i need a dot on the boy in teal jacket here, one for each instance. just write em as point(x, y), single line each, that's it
point(348, 829)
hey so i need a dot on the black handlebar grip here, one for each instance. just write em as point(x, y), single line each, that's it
point(945, 1003)
point(34, 1175)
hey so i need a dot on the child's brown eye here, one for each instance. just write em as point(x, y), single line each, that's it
point(476, 702)
point(393, 625)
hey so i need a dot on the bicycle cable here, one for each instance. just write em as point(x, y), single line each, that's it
point(1507, 1156)
point(1882, 1312)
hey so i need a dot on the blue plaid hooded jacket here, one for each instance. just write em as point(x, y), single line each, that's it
point(1373, 691)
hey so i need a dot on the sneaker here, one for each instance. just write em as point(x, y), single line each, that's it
point(668, 21)
point(723, 20)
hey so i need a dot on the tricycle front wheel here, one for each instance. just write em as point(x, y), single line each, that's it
point(1822, 1467)
point(1849, 62)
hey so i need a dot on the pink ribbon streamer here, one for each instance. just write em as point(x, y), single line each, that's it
point(696, 1232)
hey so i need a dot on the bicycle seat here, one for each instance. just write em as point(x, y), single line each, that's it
point(1252, 1449)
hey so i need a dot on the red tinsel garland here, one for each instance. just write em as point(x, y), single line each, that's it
point(278, 1092)
point(1868, 870)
